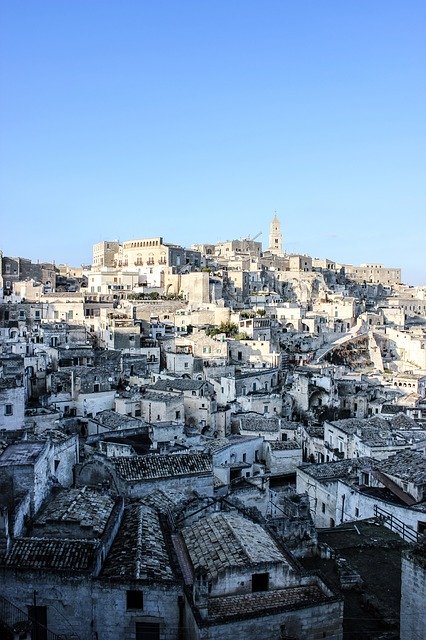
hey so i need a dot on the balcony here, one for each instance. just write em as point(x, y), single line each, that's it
point(340, 455)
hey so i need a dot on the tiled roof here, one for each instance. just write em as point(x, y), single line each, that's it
point(87, 507)
point(254, 422)
point(408, 465)
point(402, 421)
point(225, 540)
point(179, 384)
point(114, 420)
point(161, 501)
point(335, 470)
point(50, 554)
point(283, 445)
point(162, 466)
point(52, 435)
point(158, 396)
point(139, 551)
point(393, 409)
point(315, 431)
point(264, 603)
point(21, 453)
point(218, 444)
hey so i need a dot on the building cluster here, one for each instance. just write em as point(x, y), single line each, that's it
point(179, 427)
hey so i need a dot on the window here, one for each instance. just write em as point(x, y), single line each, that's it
point(134, 599)
point(356, 512)
point(177, 415)
point(323, 507)
point(259, 582)
point(8, 410)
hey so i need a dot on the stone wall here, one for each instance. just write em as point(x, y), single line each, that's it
point(413, 597)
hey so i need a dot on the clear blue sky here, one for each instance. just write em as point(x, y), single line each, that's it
point(195, 120)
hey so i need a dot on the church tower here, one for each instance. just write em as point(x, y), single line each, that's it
point(275, 237)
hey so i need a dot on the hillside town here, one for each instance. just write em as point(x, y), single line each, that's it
point(214, 442)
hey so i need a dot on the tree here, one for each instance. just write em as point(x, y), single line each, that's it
point(228, 328)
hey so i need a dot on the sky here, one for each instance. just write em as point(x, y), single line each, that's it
point(197, 120)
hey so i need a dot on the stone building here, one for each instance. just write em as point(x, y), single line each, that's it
point(19, 269)
point(373, 273)
point(104, 253)
point(199, 400)
point(137, 476)
point(12, 403)
point(240, 582)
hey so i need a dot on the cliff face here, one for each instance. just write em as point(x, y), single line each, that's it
point(354, 354)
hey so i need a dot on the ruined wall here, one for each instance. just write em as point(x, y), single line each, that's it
point(413, 597)
point(309, 623)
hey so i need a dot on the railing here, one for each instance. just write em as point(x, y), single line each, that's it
point(10, 615)
point(13, 618)
point(395, 524)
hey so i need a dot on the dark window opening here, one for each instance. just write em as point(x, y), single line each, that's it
point(259, 582)
point(147, 631)
point(134, 599)
point(421, 527)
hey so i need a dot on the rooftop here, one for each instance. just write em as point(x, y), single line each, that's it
point(139, 551)
point(344, 469)
point(22, 453)
point(408, 465)
point(156, 396)
point(154, 466)
point(50, 554)
point(256, 422)
point(264, 603)
point(86, 507)
point(179, 384)
point(225, 540)
point(114, 420)
point(283, 445)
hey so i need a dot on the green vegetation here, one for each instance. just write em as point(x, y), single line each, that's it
point(228, 328)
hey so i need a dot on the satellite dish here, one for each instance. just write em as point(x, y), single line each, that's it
point(67, 346)
point(109, 379)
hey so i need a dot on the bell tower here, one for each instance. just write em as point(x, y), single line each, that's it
point(275, 237)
